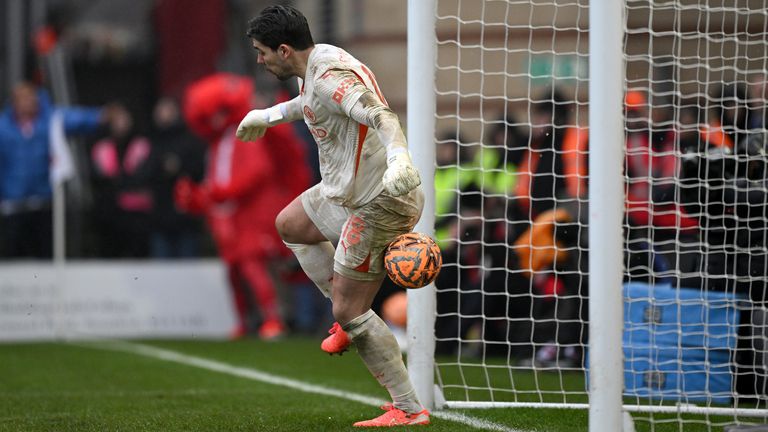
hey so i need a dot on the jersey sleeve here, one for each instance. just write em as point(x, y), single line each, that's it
point(339, 90)
point(80, 120)
point(344, 93)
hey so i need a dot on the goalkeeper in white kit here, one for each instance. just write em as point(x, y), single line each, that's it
point(369, 193)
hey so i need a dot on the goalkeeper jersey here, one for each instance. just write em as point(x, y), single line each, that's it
point(352, 158)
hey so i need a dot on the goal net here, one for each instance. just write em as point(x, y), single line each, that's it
point(511, 207)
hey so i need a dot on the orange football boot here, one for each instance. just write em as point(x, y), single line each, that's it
point(338, 341)
point(396, 417)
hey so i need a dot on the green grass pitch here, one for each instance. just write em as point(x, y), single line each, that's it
point(88, 387)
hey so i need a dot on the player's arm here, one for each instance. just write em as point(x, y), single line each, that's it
point(256, 122)
point(349, 95)
point(401, 176)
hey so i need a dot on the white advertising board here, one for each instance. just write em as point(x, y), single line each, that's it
point(102, 299)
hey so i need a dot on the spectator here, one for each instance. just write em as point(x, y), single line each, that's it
point(26, 127)
point(547, 290)
point(500, 160)
point(455, 175)
point(458, 216)
point(553, 273)
point(123, 199)
point(245, 186)
point(653, 215)
point(176, 153)
point(500, 156)
point(506, 300)
point(541, 175)
point(727, 191)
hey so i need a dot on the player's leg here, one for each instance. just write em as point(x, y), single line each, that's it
point(374, 340)
point(294, 225)
point(301, 228)
point(354, 297)
point(359, 272)
point(254, 270)
point(241, 301)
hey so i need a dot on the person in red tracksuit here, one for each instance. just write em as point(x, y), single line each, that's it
point(245, 186)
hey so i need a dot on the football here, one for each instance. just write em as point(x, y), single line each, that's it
point(413, 260)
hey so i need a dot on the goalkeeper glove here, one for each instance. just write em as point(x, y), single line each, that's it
point(401, 176)
point(253, 126)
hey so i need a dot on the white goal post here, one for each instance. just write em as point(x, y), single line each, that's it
point(421, 115)
point(606, 195)
point(631, 276)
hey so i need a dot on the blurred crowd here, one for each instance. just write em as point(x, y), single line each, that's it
point(511, 210)
point(155, 172)
point(512, 216)
point(165, 191)
point(148, 167)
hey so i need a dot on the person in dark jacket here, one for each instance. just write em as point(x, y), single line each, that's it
point(176, 153)
point(121, 186)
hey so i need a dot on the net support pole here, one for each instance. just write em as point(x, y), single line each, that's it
point(421, 142)
point(606, 204)
point(59, 215)
point(57, 72)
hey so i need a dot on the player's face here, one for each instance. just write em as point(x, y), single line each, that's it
point(273, 61)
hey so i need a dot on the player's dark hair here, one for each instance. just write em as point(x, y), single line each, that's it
point(278, 25)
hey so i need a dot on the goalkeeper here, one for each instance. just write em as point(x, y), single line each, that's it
point(369, 192)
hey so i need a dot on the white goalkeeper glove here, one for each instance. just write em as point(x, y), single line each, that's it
point(254, 125)
point(401, 176)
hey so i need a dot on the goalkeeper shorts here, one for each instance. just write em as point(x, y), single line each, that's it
point(360, 235)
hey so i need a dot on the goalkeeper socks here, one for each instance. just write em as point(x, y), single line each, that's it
point(317, 262)
point(381, 354)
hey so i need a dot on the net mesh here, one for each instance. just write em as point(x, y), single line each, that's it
point(511, 187)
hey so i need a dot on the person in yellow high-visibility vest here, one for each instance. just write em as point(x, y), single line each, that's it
point(455, 173)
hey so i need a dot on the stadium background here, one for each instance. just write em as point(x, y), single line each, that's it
point(135, 51)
